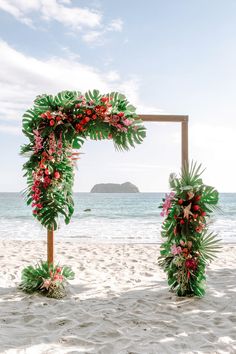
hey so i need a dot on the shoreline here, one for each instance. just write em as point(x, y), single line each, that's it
point(85, 241)
point(118, 303)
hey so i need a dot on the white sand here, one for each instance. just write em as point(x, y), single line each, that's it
point(118, 303)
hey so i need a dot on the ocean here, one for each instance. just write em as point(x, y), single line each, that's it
point(116, 218)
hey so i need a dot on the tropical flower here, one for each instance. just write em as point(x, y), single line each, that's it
point(176, 250)
point(167, 204)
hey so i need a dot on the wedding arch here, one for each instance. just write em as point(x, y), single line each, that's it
point(58, 124)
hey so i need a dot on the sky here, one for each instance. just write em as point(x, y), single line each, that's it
point(167, 57)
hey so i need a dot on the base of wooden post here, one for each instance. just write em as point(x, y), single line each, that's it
point(50, 247)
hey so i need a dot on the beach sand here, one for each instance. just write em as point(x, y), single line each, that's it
point(119, 302)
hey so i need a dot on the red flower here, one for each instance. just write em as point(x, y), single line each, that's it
point(94, 116)
point(35, 197)
point(121, 114)
point(103, 109)
point(195, 216)
point(39, 206)
point(41, 165)
point(104, 99)
point(203, 213)
point(47, 180)
point(79, 128)
point(110, 136)
point(196, 207)
point(57, 175)
point(58, 270)
point(175, 217)
point(46, 171)
point(35, 212)
point(182, 221)
point(89, 112)
point(37, 191)
point(197, 198)
point(48, 114)
point(52, 122)
point(87, 119)
point(191, 264)
point(180, 201)
point(58, 118)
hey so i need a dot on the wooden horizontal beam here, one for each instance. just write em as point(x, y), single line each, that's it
point(163, 118)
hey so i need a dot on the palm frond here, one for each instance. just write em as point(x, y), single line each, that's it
point(209, 245)
point(190, 175)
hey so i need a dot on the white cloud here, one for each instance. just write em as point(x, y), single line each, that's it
point(116, 25)
point(88, 21)
point(15, 11)
point(72, 17)
point(112, 76)
point(52, 10)
point(24, 77)
point(93, 36)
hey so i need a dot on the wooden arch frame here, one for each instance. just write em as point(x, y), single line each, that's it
point(173, 119)
point(146, 118)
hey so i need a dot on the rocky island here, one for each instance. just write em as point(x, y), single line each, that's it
point(126, 187)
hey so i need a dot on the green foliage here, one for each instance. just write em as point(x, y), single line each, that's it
point(209, 245)
point(187, 245)
point(56, 125)
point(47, 279)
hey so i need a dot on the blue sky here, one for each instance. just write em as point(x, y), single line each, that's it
point(166, 56)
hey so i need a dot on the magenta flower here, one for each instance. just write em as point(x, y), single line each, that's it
point(176, 250)
point(37, 141)
point(167, 204)
point(127, 122)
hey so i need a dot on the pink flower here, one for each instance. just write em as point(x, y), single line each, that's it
point(199, 228)
point(37, 141)
point(56, 277)
point(46, 284)
point(176, 250)
point(167, 204)
point(127, 122)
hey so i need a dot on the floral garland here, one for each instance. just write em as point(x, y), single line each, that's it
point(46, 279)
point(57, 125)
point(188, 246)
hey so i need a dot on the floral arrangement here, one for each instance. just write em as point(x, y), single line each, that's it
point(46, 279)
point(58, 124)
point(188, 246)
point(55, 126)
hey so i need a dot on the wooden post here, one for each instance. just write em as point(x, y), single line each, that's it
point(183, 119)
point(50, 246)
point(184, 142)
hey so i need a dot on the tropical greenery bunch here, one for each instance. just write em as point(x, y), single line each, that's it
point(47, 279)
point(188, 246)
point(56, 125)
